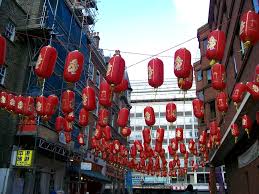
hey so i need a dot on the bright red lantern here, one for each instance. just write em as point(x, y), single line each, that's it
point(19, 104)
point(73, 66)
point(218, 76)
point(253, 89)
point(146, 135)
point(133, 151)
point(88, 98)
point(123, 117)
point(249, 28)
point(170, 150)
point(46, 61)
point(149, 115)
point(105, 95)
point(115, 69)
point(10, 106)
point(179, 134)
point(213, 126)
point(186, 83)
point(138, 145)
point(68, 126)
point(3, 99)
point(198, 109)
point(51, 104)
point(83, 117)
point(235, 131)
point(238, 92)
point(247, 124)
point(68, 101)
point(222, 102)
point(171, 112)
point(68, 137)
point(70, 117)
point(107, 133)
point(28, 106)
point(191, 145)
point(123, 86)
point(256, 79)
point(216, 46)
point(182, 148)
point(155, 73)
point(103, 117)
point(218, 137)
point(203, 138)
point(98, 133)
point(41, 105)
point(160, 134)
point(158, 146)
point(2, 50)
point(125, 131)
point(182, 63)
point(59, 123)
point(80, 139)
point(174, 144)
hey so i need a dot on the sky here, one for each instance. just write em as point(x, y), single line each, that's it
point(150, 27)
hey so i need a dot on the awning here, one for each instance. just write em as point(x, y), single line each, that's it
point(92, 174)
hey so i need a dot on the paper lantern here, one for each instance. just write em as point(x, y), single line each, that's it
point(46, 62)
point(174, 144)
point(218, 77)
point(238, 93)
point(125, 131)
point(73, 66)
point(182, 63)
point(105, 94)
point(19, 104)
point(68, 137)
point(2, 50)
point(235, 131)
point(149, 115)
point(160, 134)
point(158, 146)
point(203, 138)
point(83, 117)
point(68, 126)
point(179, 134)
point(138, 145)
point(3, 99)
point(198, 109)
point(123, 86)
point(213, 126)
point(80, 139)
point(186, 83)
point(155, 73)
point(133, 151)
point(59, 123)
point(51, 104)
point(88, 98)
point(123, 116)
point(103, 117)
point(182, 148)
point(41, 105)
point(171, 112)
point(28, 106)
point(253, 89)
point(146, 135)
point(67, 101)
point(247, 124)
point(170, 150)
point(222, 102)
point(107, 133)
point(191, 145)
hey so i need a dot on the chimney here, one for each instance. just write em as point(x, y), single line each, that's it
point(96, 39)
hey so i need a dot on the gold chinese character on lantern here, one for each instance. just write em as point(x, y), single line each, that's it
point(211, 43)
point(178, 63)
point(73, 66)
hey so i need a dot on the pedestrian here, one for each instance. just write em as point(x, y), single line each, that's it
point(189, 189)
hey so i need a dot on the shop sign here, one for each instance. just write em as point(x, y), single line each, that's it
point(24, 158)
point(86, 166)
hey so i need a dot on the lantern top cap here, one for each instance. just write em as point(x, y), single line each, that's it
point(117, 52)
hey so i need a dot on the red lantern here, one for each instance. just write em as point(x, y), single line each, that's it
point(59, 124)
point(249, 28)
point(94, 143)
point(116, 146)
point(3, 99)
point(256, 79)
point(133, 151)
point(198, 109)
point(83, 117)
point(51, 104)
point(125, 131)
point(253, 89)
point(209, 144)
point(218, 77)
point(41, 105)
point(88, 98)
point(238, 92)
point(182, 63)
point(179, 134)
point(107, 133)
point(247, 123)
point(115, 69)
point(182, 148)
point(19, 104)
point(174, 144)
point(80, 139)
point(191, 145)
point(216, 46)
point(68, 137)
point(70, 117)
point(213, 128)
point(158, 146)
point(46, 62)
point(73, 66)
point(203, 138)
point(171, 151)
point(160, 134)
point(146, 135)
point(235, 131)
point(222, 102)
point(123, 86)
point(171, 112)
point(2, 50)
point(105, 95)
point(68, 101)
point(155, 72)
point(123, 117)
point(138, 145)
point(28, 106)
point(103, 117)
point(149, 115)
point(68, 126)
point(98, 133)
point(218, 137)
point(186, 83)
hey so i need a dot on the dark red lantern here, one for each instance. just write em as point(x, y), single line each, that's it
point(123, 117)
point(133, 151)
point(182, 63)
point(155, 73)
point(88, 98)
point(41, 105)
point(222, 102)
point(125, 131)
point(123, 86)
point(170, 150)
point(59, 124)
point(68, 101)
point(213, 126)
point(46, 61)
point(73, 66)
point(105, 95)
point(203, 138)
point(171, 112)
point(98, 133)
point(2, 50)
point(235, 131)
point(174, 144)
point(216, 46)
point(83, 117)
point(68, 137)
point(160, 134)
point(80, 139)
point(253, 89)
point(103, 117)
point(19, 104)
point(107, 133)
point(249, 28)
point(158, 146)
point(68, 126)
point(115, 69)
point(138, 145)
point(179, 134)
point(182, 148)
point(70, 117)
point(146, 135)
point(218, 76)
point(198, 109)
point(149, 115)
point(3, 99)
point(238, 93)
point(28, 106)
point(218, 137)
point(186, 83)
point(247, 124)
point(191, 145)
point(51, 104)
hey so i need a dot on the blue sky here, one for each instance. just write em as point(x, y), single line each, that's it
point(149, 26)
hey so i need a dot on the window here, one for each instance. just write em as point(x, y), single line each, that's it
point(205, 43)
point(212, 110)
point(256, 5)
point(179, 113)
point(97, 79)
point(200, 178)
point(207, 178)
point(91, 71)
point(188, 113)
point(10, 31)
point(131, 115)
point(2, 75)
point(199, 75)
point(138, 114)
point(200, 95)
point(138, 128)
point(235, 65)
point(209, 76)
point(162, 114)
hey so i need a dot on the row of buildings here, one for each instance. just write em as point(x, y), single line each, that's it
point(46, 161)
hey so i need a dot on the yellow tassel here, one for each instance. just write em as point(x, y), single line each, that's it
point(247, 44)
point(236, 139)
point(212, 62)
point(247, 131)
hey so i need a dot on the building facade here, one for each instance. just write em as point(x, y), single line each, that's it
point(240, 63)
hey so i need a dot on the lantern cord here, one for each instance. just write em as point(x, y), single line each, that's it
point(53, 24)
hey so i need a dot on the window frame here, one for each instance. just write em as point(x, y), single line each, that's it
point(3, 70)
point(10, 30)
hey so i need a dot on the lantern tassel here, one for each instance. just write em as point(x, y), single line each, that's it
point(236, 105)
point(236, 139)
point(247, 44)
point(247, 131)
point(212, 62)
